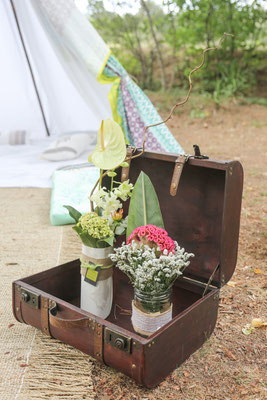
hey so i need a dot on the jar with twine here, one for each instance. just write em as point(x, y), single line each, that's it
point(96, 280)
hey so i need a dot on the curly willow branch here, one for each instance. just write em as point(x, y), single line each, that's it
point(179, 104)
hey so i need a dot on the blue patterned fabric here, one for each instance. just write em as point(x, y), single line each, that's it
point(71, 186)
point(137, 111)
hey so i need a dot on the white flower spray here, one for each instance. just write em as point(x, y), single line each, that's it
point(148, 272)
point(110, 201)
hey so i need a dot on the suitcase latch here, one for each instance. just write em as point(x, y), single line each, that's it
point(30, 298)
point(198, 153)
point(118, 340)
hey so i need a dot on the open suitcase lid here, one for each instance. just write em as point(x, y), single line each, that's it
point(204, 215)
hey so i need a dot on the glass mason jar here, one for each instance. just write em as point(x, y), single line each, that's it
point(151, 311)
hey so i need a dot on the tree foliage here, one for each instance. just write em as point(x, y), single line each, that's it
point(160, 44)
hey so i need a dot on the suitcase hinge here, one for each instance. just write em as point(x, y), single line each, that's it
point(118, 340)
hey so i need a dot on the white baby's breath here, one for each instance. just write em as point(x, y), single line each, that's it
point(147, 271)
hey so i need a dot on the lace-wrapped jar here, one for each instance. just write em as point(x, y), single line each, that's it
point(151, 311)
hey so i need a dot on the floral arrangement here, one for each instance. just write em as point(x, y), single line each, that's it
point(110, 206)
point(151, 259)
point(100, 227)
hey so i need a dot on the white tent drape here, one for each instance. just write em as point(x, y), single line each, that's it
point(18, 106)
point(65, 54)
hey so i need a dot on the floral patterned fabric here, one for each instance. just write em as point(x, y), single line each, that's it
point(137, 111)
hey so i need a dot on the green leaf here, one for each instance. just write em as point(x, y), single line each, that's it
point(124, 164)
point(108, 240)
point(78, 229)
point(75, 214)
point(88, 240)
point(144, 206)
point(111, 174)
point(85, 238)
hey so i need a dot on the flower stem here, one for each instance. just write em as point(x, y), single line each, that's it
point(100, 184)
point(100, 179)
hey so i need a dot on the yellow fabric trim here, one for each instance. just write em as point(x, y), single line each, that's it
point(113, 93)
point(103, 66)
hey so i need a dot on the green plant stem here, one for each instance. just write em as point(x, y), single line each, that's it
point(99, 187)
point(112, 180)
point(100, 179)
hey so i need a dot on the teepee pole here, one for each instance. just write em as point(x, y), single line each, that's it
point(30, 68)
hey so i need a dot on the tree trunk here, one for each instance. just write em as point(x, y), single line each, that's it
point(157, 45)
point(232, 30)
point(142, 58)
point(174, 48)
point(207, 23)
point(151, 69)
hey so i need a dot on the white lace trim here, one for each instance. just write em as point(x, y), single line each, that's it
point(149, 323)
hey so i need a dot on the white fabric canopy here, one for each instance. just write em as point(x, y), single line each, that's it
point(66, 55)
point(65, 74)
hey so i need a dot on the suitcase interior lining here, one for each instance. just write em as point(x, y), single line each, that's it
point(63, 282)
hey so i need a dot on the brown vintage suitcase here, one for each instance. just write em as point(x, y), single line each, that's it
point(203, 216)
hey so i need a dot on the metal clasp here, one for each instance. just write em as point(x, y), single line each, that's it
point(30, 298)
point(118, 340)
point(198, 153)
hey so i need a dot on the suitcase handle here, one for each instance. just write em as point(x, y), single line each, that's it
point(58, 322)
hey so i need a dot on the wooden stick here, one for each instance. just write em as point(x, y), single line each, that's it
point(173, 108)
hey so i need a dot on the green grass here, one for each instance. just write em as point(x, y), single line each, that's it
point(196, 113)
point(163, 101)
point(253, 100)
point(198, 102)
point(258, 124)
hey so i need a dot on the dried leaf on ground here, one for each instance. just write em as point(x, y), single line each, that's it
point(229, 354)
point(258, 323)
point(186, 374)
point(257, 271)
point(232, 284)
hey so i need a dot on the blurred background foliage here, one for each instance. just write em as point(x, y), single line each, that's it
point(160, 42)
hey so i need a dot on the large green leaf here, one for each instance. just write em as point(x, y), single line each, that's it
point(75, 214)
point(144, 205)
